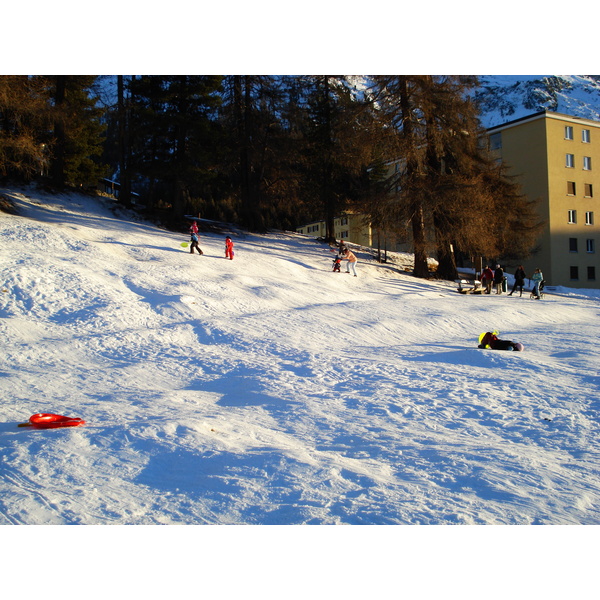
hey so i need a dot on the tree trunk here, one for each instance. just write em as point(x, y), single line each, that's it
point(124, 146)
point(417, 219)
point(58, 164)
point(447, 262)
point(421, 268)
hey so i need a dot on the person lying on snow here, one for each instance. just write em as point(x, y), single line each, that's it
point(491, 340)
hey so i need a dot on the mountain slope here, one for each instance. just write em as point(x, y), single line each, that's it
point(506, 98)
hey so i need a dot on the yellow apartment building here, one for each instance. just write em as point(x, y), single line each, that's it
point(350, 227)
point(556, 159)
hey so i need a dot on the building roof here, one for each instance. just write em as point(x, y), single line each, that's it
point(539, 115)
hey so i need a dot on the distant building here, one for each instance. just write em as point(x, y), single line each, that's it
point(556, 159)
point(350, 227)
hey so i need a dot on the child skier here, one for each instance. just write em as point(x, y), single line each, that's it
point(228, 248)
point(194, 244)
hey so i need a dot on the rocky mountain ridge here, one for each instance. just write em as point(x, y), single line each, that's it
point(504, 98)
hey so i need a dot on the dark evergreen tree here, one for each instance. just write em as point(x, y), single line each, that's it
point(124, 141)
point(338, 147)
point(401, 101)
point(24, 123)
point(261, 149)
point(77, 139)
point(175, 143)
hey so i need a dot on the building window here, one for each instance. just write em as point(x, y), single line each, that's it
point(589, 217)
point(343, 234)
point(572, 217)
point(568, 132)
point(344, 221)
point(587, 163)
point(570, 161)
point(495, 141)
point(591, 273)
point(585, 136)
point(570, 188)
point(590, 246)
point(572, 244)
point(574, 273)
point(588, 190)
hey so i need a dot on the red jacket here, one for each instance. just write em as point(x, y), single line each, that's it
point(487, 274)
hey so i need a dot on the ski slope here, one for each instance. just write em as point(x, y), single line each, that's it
point(268, 390)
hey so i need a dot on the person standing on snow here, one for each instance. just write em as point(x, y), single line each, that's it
point(193, 227)
point(487, 277)
point(537, 278)
point(228, 248)
point(194, 244)
point(519, 280)
point(498, 278)
point(351, 258)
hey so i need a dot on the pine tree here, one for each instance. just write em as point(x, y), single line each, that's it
point(448, 187)
point(260, 149)
point(337, 147)
point(469, 188)
point(24, 123)
point(401, 101)
point(124, 141)
point(77, 139)
point(175, 137)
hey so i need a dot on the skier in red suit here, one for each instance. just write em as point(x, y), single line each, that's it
point(228, 248)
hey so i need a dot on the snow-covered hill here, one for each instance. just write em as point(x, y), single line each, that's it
point(510, 97)
point(270, 390)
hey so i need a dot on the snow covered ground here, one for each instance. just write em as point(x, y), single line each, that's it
point(268, 390)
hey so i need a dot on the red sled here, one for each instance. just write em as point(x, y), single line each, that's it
point(51, 421)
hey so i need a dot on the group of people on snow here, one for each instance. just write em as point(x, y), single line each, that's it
point(344, 253)
point(496, 278)
point(488, 277)
point(194, 240)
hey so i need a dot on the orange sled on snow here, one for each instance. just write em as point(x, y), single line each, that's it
point(51, 421)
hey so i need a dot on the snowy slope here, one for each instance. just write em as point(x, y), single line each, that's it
point(269, 390)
